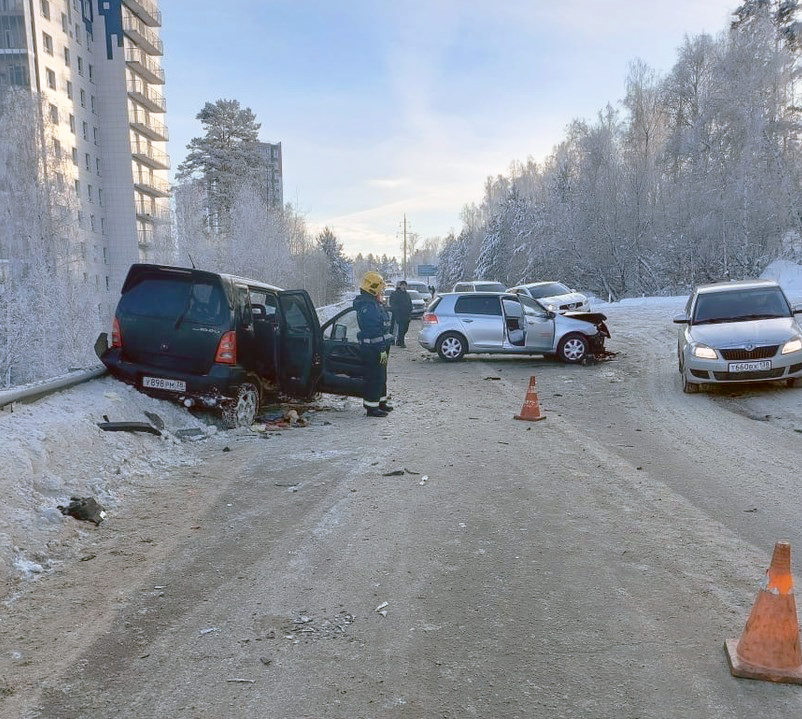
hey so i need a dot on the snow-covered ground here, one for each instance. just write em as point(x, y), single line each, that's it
point(53, 449)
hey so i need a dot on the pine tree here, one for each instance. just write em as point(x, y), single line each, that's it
point(339, 268)
point(224, 158)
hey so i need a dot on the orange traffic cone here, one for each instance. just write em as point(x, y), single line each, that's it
point(769, 646)
point(531, 409)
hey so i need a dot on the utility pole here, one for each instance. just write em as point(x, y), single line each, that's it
point(405, 245)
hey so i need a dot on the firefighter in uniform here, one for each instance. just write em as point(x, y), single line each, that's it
point(374, 341)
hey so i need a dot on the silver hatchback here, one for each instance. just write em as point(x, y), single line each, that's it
point(742, 331)
point(457, 324)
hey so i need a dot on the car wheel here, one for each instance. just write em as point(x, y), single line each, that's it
point(243, 410)
point(572, 349)
point(689, 387)
point(451, 347)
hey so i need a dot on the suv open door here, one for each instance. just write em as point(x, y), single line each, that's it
point(343, 370)
point(299, 351)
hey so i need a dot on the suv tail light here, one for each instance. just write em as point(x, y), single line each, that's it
point(429, 318)
point(116, 335)
point(227, 349)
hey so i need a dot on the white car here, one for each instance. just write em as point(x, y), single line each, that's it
point(554, 295)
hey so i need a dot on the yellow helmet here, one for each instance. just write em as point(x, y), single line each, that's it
point(372, 282)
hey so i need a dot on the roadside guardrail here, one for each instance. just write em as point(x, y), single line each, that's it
point(35, 390)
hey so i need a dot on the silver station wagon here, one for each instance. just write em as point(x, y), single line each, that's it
point(456, 324)
point(743, 331)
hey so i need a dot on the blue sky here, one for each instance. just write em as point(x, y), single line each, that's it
point(386, 108)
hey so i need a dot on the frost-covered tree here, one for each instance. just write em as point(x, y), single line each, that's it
point(339, 268)
point(49, 313)
point(224, 159)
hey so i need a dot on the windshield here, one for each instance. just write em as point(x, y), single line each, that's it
point(552, 289)
point(740, 305)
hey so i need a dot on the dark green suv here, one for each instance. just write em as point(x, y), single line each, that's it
point(223, 342)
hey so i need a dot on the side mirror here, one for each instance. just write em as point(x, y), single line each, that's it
point(339, 333)
point(682, 319)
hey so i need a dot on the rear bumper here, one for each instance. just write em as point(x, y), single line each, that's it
point(212, 389)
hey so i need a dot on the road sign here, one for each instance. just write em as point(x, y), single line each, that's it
point(427, 270)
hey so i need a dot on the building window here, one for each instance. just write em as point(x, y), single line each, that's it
point(74, 155)
point(77, 33)
point(60, 182)
point(51, 78)
point(80, 65)
point(96, 135)
point(77, 185)
point(91, 73)
point(72, 126)
point(64, 25)
point(69, 89)
point(88, 161)
point(83, 98)
point(85, 130)
point(67, 56)
point(102, 225)
point(47, 42)
point(105, 257)
point(53, 114)
point(45, 9)
point(100, 197)
point(89, 193)
point(97, 167)
point(57, 148)
point(93, 104)
point(92, 222)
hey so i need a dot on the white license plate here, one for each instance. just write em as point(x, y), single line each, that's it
point(756, 366)
point(173, 385)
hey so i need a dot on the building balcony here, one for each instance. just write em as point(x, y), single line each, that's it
point(150, 156)
point(148, 126)
point(153, 215)
point(146, 11)
point(144, 238)
point(145, 38)
point(153, 186)
point(140, 62)
point(146, 96)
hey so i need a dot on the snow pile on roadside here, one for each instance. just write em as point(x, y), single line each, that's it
point(53, 449)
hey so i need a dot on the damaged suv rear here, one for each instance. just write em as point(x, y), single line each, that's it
point(222, 342)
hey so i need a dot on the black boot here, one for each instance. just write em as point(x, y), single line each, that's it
point(386, 407)
point(376, 412)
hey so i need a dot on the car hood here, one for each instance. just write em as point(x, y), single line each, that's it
point(562, 299)
point(756, 332)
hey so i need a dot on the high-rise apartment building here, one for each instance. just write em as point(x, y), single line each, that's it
point(274, 183)
point(97, 64)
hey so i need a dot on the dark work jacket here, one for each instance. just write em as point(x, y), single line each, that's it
point(401, 305)
point(372, 319)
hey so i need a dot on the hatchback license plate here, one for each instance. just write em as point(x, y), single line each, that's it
point(756, 366)
point(173, 385)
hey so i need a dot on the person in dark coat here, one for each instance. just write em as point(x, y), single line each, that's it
point(401, 306)
point(374, 343)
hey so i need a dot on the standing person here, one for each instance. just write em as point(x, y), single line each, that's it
point(374, 343)
point(401, 306)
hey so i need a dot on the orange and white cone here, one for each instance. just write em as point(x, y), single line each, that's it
point(769, 646)
point(531, 409)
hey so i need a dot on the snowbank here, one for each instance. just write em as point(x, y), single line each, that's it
point(53, 449)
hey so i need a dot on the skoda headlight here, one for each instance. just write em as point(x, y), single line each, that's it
point(704, 352)
point(793, 345)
